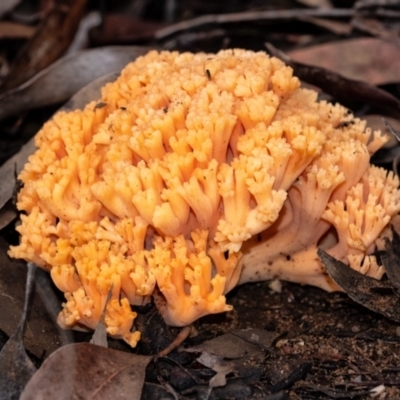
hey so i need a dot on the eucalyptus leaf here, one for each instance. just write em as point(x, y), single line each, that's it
point(236, 344)
point(17, 162)
point(42, 334)
point(391, 259)
point(340, 87)
point(87, 371)
point(16, 368)
point(62, 79)
point(378, 296)
point(7, 214)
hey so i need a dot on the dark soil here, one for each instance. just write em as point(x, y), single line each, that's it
point(326, 345)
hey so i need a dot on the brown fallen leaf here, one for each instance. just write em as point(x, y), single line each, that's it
point(341, 88)
point(40, 90)
point(86, 371)
point(378, 296)
point(14, 30)
point(371, 60)
point(50, 41)
point(7, 214)
point(16, 368)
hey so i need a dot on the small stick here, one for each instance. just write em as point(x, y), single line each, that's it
point(182, 336)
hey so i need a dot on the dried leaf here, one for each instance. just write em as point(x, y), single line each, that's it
point(7, 214)
point(217, 364)
point(232, 351)
point(42, 334)
point(231, 346)
point(341, 88)
point(371, 60)
point(16, 368)
point(391, 259)
point(8, 5)
point(378, 296)
point(60, 81)
point(50, 41)
point(17, 162)
point(86, 371)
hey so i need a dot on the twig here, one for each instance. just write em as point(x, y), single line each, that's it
point(264, 15)
point(182, 336)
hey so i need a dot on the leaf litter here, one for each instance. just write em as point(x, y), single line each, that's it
point(15, 365)
point(91, 64)
point(341, 88)
point(42, 334)
point(372, 60)
point(379, 296)
point(87, 371)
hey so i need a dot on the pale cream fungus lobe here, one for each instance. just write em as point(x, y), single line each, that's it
point(202, 171)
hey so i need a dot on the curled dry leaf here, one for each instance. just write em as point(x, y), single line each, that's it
point(60, 81)
point(378, 296)
point(375, 61)
point(86, 371)
point(234, 345)
point(391, 259)
point(231, 353)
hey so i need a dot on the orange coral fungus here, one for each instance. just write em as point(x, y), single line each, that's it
point(201, 171)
